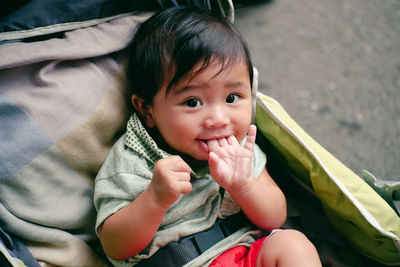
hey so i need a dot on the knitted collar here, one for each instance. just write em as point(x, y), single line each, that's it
point(140, 141)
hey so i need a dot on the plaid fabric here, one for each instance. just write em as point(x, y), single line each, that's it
point(63, 104)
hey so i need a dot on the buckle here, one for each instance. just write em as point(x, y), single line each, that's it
point(206, 239)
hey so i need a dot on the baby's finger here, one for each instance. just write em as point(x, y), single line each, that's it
point(186, 187)
point(182, 176)
point(232, 140)
point(251, 138)
point(252, 130)
point(222, 141)
point(212, 144)
point(213, 160)
point(176, 163)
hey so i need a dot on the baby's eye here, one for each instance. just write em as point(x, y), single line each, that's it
point(232, 98)
point(193, 103)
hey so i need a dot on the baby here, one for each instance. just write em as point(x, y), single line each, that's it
point(186, 183)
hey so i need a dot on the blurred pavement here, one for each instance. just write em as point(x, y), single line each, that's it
point(335, 67)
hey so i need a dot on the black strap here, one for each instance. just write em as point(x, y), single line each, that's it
point(186, 249)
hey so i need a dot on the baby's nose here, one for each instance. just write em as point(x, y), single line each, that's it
point(217, 117)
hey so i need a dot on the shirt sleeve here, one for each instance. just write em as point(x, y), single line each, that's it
point(123, 176)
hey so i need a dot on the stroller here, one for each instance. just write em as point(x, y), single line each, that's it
point(63, 104)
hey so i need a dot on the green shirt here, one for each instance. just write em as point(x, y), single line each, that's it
point(128, 171)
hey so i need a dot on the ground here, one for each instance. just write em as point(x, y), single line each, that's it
point(335, 67)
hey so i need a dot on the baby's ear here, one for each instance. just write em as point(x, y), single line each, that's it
point(143, 110)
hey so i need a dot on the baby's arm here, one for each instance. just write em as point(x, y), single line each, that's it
point(129, 230)
point(261, 199)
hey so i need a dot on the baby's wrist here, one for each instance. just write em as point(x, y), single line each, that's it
point(155, 200)
point(243, 189)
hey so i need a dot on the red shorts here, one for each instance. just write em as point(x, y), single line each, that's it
point(240, 256)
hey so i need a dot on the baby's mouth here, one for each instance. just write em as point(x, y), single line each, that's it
point(204, 143)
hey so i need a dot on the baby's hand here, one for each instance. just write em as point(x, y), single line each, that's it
point(230, 163)
point(171, 179)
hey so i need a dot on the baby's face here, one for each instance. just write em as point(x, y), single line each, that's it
point(212, 104)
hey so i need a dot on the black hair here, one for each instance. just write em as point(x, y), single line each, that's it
point(173, 41)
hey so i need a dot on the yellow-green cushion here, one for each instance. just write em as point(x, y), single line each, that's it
point(353, 207)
